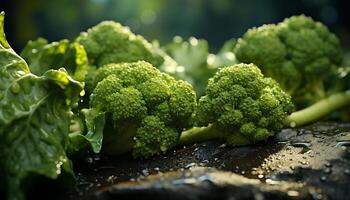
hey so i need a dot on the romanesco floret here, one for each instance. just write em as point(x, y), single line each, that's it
point(299, 53)
point(146, 110)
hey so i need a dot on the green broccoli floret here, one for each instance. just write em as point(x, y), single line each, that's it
point(110, 42)
point(299, 53)
point(242, 107)
point(145, 109)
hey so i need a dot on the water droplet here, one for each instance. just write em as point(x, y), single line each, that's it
point(145, 172)
point(292, 124)
point(15, 88)
point(89, 160)
point(327, 170)
point(34, 51)
point(82, 93)
point(328, 164)
point(156, 169)
point(347, 172)
point(111, 178)
point(323, 178)
point(190, 165)
point(293, 193)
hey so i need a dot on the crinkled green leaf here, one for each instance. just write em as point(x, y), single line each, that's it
point(42, 56)
point(82, 142)
point(34, 120)
point(191, 57)
point(95, 122)
point(195, 64)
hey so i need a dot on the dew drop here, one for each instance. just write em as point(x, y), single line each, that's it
point(347, 172)
point(292, 124)
point(293, 193)
point(190, 165)
point(327, 170)
point(323, 178)
point(82, 93)
point(15, 88)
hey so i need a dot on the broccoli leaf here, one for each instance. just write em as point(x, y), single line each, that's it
point(81, 142)
point(196, 64)
point(95, 122)
point(34, 120)
point(42, 56)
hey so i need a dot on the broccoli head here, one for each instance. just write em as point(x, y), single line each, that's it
point(299, 53)
point(240, 106)
point(110, 42)
point(145, 109)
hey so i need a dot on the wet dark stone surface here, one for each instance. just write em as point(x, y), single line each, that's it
point(308, 163)
point(204, 183)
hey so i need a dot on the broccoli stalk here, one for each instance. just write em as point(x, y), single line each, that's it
point(299, 118)
point(243, 107)
point(318, 110)
point(210, 132)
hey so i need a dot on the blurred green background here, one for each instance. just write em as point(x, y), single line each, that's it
point(213, 20)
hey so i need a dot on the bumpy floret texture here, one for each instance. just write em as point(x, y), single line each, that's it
point(243, 103)
point(110, 42)
point(159, 106)
point(298, 53)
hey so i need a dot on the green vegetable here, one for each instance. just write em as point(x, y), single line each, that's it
point(145, 109)
point(240, 106)
point(42, 56)
point(195, 64)
point(110, 42)
point(299, 53)
point(34, 120)
point(243, 107)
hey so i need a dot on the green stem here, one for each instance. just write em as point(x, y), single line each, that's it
point(118, 141)
point(318, 110)
point(199, 134)
point(317, 86)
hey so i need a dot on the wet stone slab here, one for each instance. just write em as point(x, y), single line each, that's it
point(308, 163)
